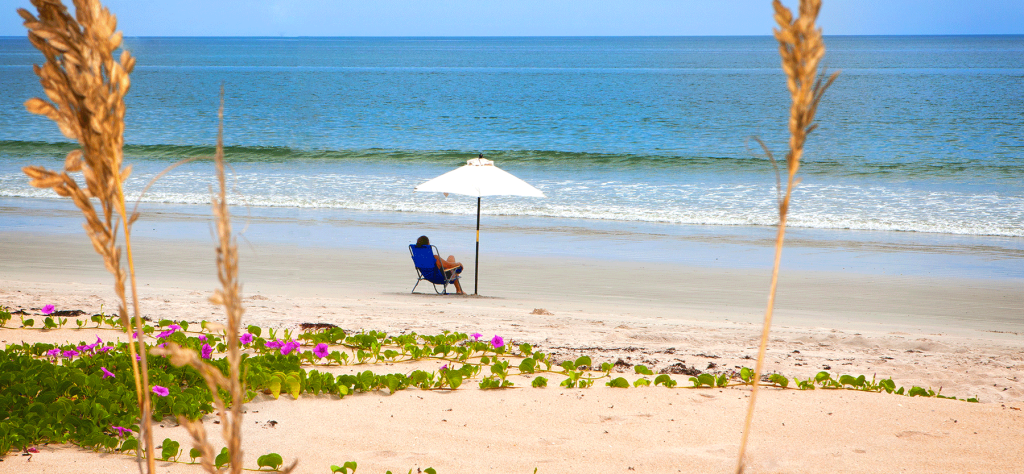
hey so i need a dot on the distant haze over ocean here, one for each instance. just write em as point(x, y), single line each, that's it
point(919, 134)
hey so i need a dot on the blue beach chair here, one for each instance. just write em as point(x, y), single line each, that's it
point(428, 269)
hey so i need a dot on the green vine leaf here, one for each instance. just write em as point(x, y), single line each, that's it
point(272, 460)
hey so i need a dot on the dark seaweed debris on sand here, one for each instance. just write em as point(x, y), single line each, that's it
point(680, 368)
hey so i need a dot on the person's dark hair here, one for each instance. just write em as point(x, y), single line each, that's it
point(423, 240)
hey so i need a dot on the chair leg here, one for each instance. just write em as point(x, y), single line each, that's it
point(414, 286)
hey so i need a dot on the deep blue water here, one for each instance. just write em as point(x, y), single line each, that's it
point(918, 134)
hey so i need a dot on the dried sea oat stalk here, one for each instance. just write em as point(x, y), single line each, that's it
point(801, 48)
point(86, 86)
point(230, 297)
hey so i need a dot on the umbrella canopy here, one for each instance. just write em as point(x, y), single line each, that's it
point(479, 177)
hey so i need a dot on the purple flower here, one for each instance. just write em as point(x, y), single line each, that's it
point(106, 348)
point(443, 367)
point(162, 391)
point(69, 353)
point(497, 341)
point(135, 335)
point(245, 338)
point(174, 327)
point(273, 344)
point(32, 450)
point(321, 350)
point(106, 373)
point(98, 341)
point(207, 351)
point(289, 346)
point(201, 337)
point(476, 336)
point(53, 352)
point(48, 309)
point(165, 334)
point(121, 431)
point(138, 357)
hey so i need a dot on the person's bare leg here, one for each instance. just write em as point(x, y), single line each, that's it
point(458, 287)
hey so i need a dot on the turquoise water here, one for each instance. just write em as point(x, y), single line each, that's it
point(920, 136)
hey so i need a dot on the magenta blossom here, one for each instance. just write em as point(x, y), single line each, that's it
point(273, 344)
point(443, 367)
point(69, 353)
point(106, 373)
point(165, 334)
point(135, 335)
point(207, 351)
point(321, 350)
point(162, 391)
point(245, 338)
point(48, 309)
point(53, 352)
point(201, 337)
point(174, 327)
point(497, 341)
point(121, 431)
point(289, 346)
point(476, 336)
point(106, 348)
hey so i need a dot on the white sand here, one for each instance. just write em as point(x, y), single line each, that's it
point(962, 336)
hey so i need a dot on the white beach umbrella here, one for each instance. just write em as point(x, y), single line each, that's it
point(479, 177)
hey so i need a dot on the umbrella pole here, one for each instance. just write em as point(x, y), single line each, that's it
point(476, 266)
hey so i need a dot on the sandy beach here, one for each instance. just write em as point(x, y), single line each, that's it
point(963, 336)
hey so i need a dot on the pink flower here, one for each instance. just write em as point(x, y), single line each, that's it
point(106, 373)
point(48, 309)
point(121, 431)
point(69, 353)
point(273, 344)
point(106, 348)
point(245, 338)
point(165, 334)
point(207, 351)
point(321, 350)
point(497, 341)
point(162, 391)
point(288, 347)
point(174, 327)
point(443, 367)
point(32, 450)
point(53, 352)
point(476, 336)
point(201, 337)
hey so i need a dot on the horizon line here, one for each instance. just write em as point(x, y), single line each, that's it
point(551, 36)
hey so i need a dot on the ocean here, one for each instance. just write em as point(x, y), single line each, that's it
point(920, 143)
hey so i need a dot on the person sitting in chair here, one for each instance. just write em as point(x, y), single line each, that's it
point(446, 265)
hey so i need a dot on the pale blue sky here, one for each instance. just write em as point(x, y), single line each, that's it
point(537, 17)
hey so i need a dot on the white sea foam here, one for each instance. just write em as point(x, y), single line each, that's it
point(833, 206)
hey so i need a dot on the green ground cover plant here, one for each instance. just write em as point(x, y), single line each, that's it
point(84, 394)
